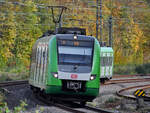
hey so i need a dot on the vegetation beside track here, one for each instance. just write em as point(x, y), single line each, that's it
point(3, 97)
point(132, 69)
point(6, 76)
point(20, 72)
point(18, 109)
point(17, 71)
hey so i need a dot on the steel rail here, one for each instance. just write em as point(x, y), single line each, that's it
point(10, 83)
point(123, 76)
point(99, 110)
point(127, 81)
point(51, 103)
point(61, 105)
point(119, 93)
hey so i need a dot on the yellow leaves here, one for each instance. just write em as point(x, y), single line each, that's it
point(128, 36)
point(30, 5)
point(129, 40)
point(5, 52)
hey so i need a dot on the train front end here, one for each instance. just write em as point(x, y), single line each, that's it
point(73, 68)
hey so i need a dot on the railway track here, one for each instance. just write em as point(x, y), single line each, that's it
point(127, 81)
point(124, 76)
point(121, 92)
point(131, 96)
point(10, 83)
point(92, 109)
point(98, 110)
point(74, 108)
point(56, 104)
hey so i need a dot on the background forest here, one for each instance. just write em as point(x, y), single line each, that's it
point(22, 22)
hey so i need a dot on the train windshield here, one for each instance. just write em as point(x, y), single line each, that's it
point(75, 55)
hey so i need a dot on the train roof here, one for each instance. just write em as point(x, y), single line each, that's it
point(71, 36)
point(106, 49)
point(71, 30)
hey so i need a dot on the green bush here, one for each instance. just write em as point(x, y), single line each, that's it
point(143, 69)
point(19, 109)
point(14, 70)
point(4, 77)
point(124, 69)
point(132, 69)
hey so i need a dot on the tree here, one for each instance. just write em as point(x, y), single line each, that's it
point(8, 33)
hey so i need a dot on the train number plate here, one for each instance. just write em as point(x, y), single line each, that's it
point(74, 85)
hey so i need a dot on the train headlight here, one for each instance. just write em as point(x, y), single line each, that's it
point(75, 37)
point(55, 75)
point(93, 77)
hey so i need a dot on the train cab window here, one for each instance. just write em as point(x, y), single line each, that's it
point(75, 55)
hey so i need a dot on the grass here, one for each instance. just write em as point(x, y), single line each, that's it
point(6, 76)
point(17, 72)
point(15, 69)
point(112, 100)
point(10, 73)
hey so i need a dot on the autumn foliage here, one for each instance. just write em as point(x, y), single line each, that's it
point(23, 21)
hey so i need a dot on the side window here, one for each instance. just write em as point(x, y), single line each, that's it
point(44, 53)
point(37, 54)
point(106, 61)
point(110, 61)
point(37, 59)
point(103, 61)
point(41, 57)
